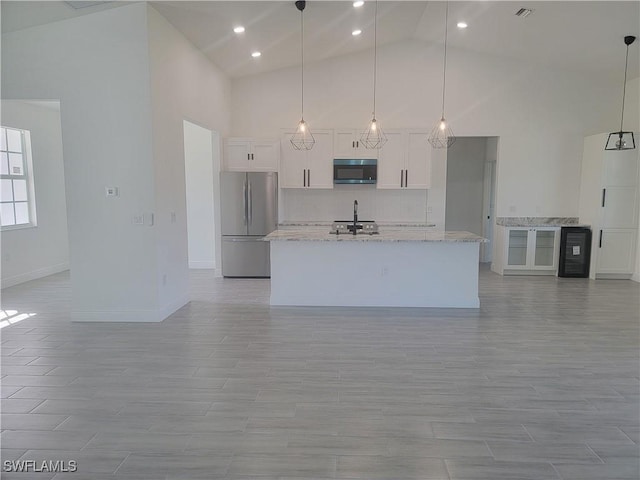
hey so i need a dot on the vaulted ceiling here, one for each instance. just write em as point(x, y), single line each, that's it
point(585, 36)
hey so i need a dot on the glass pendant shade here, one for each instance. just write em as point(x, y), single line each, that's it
point(620, 141)
point(302, 139)
point(373, 136)
point(441, 135)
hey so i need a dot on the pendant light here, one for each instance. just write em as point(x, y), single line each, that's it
point(622, 140)
point(302, 139)
point(441, 135)
point(373, 136)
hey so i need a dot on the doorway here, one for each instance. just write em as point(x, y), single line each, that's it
point(470, 196)
point(202, 170)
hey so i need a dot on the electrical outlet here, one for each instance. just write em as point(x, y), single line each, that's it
point(138, 219)
point(148, 219)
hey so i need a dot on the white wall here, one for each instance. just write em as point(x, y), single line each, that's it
point(97, 65)
point(337, 204)
point(540, 115)
point(126, 79)
point(30, 253)
point(199, 175)
point(184, 85)
point(465, 185)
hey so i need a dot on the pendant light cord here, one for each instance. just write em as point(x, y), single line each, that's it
point(444, 69)
point(624, 86)
point(375, 56)
point(302, 64)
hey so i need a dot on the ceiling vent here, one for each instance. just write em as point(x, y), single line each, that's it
point(524, 12)
point(84, 4)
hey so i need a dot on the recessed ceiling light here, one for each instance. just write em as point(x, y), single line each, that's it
point(355, 33)
point(462, 25)
point(358, 3)
point(256, 54)
point(239, 29)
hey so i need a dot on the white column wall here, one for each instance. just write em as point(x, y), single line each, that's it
point(185, 85)
point(97, 65)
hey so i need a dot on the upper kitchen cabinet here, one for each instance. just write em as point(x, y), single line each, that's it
point(347, 144)
point(609, 203)
point(405, 160)
point(307, 168)
point(251, 155)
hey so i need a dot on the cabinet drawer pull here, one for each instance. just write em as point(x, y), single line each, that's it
point(604, 195)
point(600, 242)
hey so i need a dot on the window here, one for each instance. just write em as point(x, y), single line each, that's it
point(17, 205)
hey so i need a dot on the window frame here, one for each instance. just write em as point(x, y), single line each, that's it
point(27, 165)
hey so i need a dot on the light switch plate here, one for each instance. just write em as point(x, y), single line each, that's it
point(111, 191)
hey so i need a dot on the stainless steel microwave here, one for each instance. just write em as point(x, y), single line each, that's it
point(355, 170)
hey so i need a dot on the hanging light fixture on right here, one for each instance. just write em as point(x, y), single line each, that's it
point(441, 135)
point(622, 140)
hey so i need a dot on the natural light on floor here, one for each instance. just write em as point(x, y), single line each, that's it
point(11, 317)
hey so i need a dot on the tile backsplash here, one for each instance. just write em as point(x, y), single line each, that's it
point(337, 204)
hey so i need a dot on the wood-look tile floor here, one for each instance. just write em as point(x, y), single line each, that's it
point(542, 382)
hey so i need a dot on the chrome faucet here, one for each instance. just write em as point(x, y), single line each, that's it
point(355, 216)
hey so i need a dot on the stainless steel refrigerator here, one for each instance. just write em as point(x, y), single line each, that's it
point(249, 206)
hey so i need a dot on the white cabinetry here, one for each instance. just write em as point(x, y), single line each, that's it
point(405, 160)
point(251, 155)
point(307, 168)
point(347, 144)
point(529, 250)
point(609, 202)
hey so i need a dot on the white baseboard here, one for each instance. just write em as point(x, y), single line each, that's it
point(130, 316)
point(204, 265)
point(34, 275)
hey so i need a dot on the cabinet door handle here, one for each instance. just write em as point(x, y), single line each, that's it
point(604, 195)
point(252, 156)
point(401, 178)
point(304, 178)
point(406, 178)
point(308, 177)
point(600, 242)
point(353, 144)
point(357, 144)
point(248, 156)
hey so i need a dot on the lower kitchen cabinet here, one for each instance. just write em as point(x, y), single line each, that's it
point(530, 250)
point(307, 168)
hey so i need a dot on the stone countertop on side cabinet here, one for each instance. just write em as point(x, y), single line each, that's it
point(321, 234)
point(539, 222)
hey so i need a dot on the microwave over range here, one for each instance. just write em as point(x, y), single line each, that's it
point(355, 170)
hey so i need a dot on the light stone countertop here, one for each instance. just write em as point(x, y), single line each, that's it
point(539, 222)
point(320, 223)
point(321, 234)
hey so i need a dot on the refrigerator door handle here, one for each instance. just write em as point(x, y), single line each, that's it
point(244, 201)
point(250, 203)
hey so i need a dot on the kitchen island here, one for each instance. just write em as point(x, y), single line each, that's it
point(398, 267)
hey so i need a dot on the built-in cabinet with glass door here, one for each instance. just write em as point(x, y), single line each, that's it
point(531, 250)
